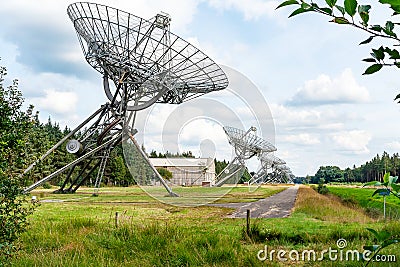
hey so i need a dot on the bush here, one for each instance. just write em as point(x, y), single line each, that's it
point(166, 174)
point(47, 186)
point(13, 215)
point(322, 189)
point(15, 126)
point(314, 187)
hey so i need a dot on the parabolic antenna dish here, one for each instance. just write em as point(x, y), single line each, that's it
point(283, 168)
point(153, 64)
point(268, 160)
point(246, 143)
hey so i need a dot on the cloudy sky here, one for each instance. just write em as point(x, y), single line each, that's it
point(304, 73)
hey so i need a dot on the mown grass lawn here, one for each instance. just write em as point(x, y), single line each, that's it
point(81, 231)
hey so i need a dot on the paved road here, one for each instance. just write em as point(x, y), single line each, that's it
point(276, 206)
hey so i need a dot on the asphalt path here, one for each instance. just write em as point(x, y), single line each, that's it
point(279, 205)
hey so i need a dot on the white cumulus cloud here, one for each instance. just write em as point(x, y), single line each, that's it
point(302, 139)
point(251, 9)
point(56, 101)
point(327, 90)
point(395, 145)
point(354, 141)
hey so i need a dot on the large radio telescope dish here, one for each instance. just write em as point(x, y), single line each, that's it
point(154, 64)
point(246, 145)
point(268, 161)
point(147, 64)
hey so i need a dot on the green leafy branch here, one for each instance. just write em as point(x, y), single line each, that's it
point(389, 185)
point(355, 15)
point(384, 239)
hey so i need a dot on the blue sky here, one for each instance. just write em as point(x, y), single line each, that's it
point(308, 71)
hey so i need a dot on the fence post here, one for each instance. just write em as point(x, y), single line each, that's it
point(116, 219)
point(248, 222)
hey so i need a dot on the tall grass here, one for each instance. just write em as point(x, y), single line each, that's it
point(153, 234)
point(84, 242)
point(322, 207)
point(372, 205)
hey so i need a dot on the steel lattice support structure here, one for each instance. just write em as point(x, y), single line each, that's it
point(268, 161)
point(246, 146)
point(146, 64)
point(280, 174)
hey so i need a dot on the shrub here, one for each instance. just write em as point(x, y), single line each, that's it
point(13, 215)
point(166, 174)
point(46, 185)
point(322, 189)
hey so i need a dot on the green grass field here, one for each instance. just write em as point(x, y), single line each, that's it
point(80, 230)
point(373, 205)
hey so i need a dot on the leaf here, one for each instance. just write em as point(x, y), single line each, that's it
point(390, 33)
point(331, 3)
point(374, 232)
point(381, 190)
point(341, 9)
point(394, 4)
point(389, 26)
point(287, 3)
point(367, 40)
point(396, 188)
point(350, 6)
point(392, 180)
point(393, 53)
point(374, 183)
point(373, 60)
point(389, 242)
point(307, 6)
point(365, 19)
point(372, 69)
point(379, 53)
point(386, 177)
point(383, 235)
point(340, 20)
point(376, 28)
point(327, 10)
point(364, 8)
point(363, 11)
point(299, 11)
point(371, 248)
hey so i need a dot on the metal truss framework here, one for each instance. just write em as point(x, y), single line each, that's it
point(246, 145)
point(147, 64)
point(279, 173)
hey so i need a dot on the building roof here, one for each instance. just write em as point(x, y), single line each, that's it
point(181, 162)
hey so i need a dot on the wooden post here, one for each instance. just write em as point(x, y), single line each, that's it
point(384, 208)
point(116, 219)
point(248, 222)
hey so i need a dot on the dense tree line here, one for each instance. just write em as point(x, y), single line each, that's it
point(154, 154)
point(372, 170)
point(42, 136)
point(24, 139)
